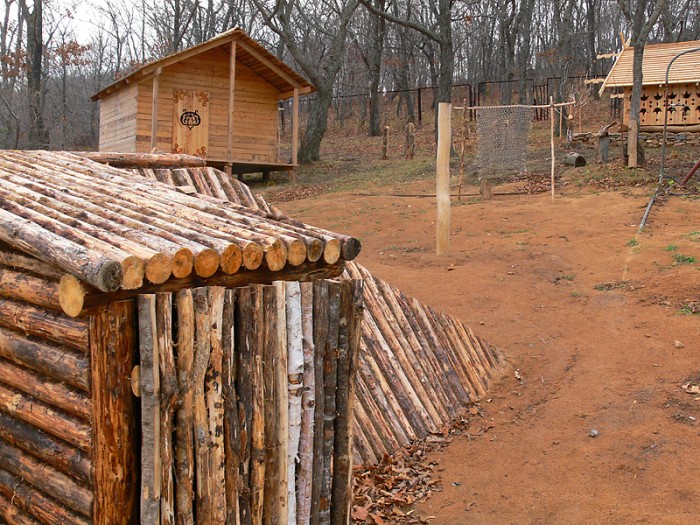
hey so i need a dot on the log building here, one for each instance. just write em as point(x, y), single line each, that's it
point(217, 100)
point(153, 370)
point(681, 98)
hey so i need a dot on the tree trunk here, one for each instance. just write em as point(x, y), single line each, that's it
point(38, 137)
point(635, 103)
point(377, 32)
point(310, 149)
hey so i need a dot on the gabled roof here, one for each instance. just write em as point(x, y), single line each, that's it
point(112, 229)
point(656, 59)
point(248, 52)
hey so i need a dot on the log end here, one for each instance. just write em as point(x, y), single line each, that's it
point(133, 271)
point(71, 295)
point(110, 277)
point(252, 256)
point(296, 252)
point(351, 248)
point(276, 256)
point(183, 262)
point(159, 268)
point(206, 263)
point(331, 251)
point(314, 250)
point(231, 259)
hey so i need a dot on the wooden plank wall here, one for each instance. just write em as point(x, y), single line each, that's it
point(118, 121)
point(246, 402)
point(46, 472)
point(653, 104)
point(255, 118)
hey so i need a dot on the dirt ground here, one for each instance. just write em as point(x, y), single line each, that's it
point(601, 324)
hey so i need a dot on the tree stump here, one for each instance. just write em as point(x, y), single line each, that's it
point(486, 189)
point(603, 143)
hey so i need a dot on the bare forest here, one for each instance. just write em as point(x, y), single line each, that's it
point(55, 54)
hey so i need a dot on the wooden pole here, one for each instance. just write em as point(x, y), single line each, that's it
point(295, 130)
point(443, 178)
point(231, 101)
point(385, 143)
point(154, 110)
point(551, 138)
point(112, 337)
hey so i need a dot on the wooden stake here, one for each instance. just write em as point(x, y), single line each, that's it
point(184, 430)
point(385, 143)
point(443, 178)
point(551, 139)
point(168, 402)
point(150, 410)
point(154, 109)
point(306, 458)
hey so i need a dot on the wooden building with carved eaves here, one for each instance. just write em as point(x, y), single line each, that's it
point(681, 98)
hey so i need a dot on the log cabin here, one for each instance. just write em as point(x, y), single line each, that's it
point(681, 96)
point(218, 100)
point(153, 370)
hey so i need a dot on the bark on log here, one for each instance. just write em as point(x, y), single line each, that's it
point(45, 417)
point(19, 261)
point(321, 318)
point(215, 408)
point(44, 508)
point(184, 430)
point(47, 479)
point(142, 160)
point(257, 428)
point(112, 336)
point(29, 289)
point(13, 515)
point(295, 374)
point(232, 454)
point(54, 393)
point(202, 351)
point(47, 448)
point(150, 410)
point(46, 325)
point(306, 459)
point(250, 330)
point(56, 362)
point(168, 403)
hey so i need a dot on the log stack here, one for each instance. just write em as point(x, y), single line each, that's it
point(261, 431)
point(418, 369)
point(111, 232)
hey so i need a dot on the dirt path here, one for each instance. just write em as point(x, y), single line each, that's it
point(523, 275)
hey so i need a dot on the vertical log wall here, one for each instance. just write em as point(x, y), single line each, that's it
point(46, 411)
point(246, 398)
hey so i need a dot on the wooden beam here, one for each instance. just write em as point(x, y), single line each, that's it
point(295, 127)
point(154, 109)
point(231, 100)
point(112, 346)
point(268, 64)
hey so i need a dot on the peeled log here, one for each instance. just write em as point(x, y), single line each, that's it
point(574, 159)
point(143, 160)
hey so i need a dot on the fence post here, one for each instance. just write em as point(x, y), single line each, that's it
point(443, 178)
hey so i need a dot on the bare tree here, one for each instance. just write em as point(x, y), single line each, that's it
point(33, 20)
point(325, 25)
point(641, 15)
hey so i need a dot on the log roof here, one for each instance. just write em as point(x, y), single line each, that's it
point(248, 52)
point(656, 59)
point(113, 230)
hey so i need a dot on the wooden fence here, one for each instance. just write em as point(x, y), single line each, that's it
point(245, 398)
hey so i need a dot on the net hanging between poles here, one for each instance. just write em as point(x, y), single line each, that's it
point(502, 137)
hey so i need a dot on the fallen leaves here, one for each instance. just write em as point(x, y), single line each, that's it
point(384, 493)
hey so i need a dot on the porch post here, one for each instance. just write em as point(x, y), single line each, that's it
point(154, 109)
point(231, 96)
point(295, 126)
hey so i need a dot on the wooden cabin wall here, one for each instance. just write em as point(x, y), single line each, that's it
point(46, 407)
point(652, 105)
point(255, 108)
point(118, 115)
point(235, 386)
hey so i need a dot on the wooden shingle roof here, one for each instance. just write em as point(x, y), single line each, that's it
point(113, 230)
point(656, 59)
point(248, 52)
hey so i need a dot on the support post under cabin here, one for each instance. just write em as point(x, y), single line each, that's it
point(443, 178)
point(295, 134)
point(154, 110)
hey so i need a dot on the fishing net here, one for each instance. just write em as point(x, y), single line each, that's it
point(502, 136)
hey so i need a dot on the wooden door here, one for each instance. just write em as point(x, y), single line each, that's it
point(190, 122)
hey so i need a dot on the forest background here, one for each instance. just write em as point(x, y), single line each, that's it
point(55, 54)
